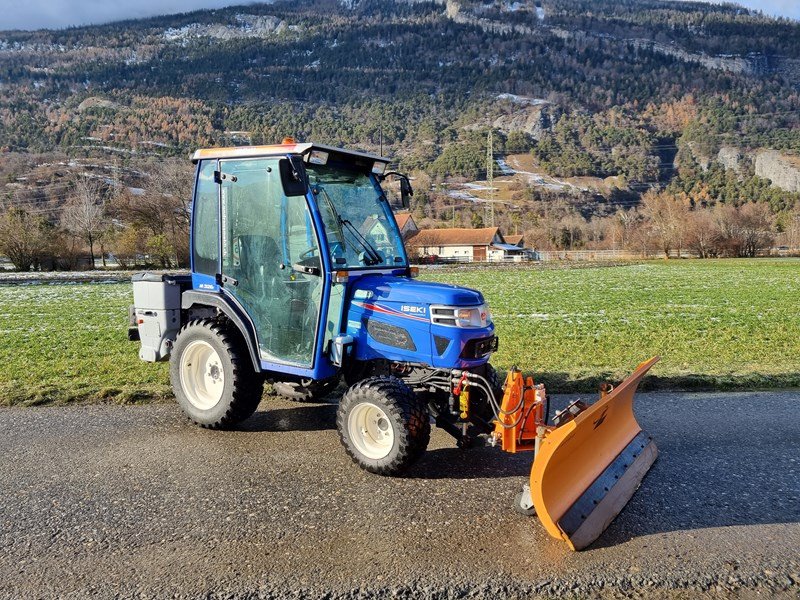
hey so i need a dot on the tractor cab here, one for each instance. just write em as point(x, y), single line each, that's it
point(302, 241)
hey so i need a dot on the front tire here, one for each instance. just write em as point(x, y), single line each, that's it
point(382, 425)
point(211, 375)
point(483, 407)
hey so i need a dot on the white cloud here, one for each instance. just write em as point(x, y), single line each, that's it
point(55, 14)
point(776, 8)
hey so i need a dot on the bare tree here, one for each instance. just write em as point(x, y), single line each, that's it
point(25, 238)
point(790, 235)
point(703, 233)
point(160, 212)
point(746, 229)
point(666, 216)
point(84, 215)
point(174, 179)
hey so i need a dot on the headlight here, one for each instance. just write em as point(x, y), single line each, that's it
point(457, 316)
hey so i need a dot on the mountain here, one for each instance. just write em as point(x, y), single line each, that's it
point(608, 98)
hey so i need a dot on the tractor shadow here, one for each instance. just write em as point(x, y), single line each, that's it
point(725, 460)
point(473, 463)
point(299, 417)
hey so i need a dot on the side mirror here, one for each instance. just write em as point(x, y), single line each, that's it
point(406, 192)
point(293, 176)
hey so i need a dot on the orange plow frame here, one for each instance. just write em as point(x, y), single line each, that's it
point(586, 469)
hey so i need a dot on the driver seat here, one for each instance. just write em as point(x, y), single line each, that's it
point(260, 260)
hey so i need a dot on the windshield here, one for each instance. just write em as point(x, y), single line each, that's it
point(359, 225)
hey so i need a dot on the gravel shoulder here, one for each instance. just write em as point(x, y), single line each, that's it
point(135, 502)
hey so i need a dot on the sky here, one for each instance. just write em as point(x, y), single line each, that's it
point(54, 14)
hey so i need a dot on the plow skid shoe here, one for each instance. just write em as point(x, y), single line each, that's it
point(587, 469)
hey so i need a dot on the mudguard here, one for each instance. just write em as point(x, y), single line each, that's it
point(586, 470)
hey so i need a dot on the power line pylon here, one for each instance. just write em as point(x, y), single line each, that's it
point(489, 212)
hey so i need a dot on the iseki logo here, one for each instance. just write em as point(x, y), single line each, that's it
point(419, 310)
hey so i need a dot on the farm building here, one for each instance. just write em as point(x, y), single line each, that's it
point(466, 245)
point(516, 240)
point(406, 223)
point(373, 228)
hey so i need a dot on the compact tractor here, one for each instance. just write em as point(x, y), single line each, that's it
point(299, 277)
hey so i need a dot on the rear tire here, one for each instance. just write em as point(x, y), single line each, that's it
point(382, 425)
point(212, 376)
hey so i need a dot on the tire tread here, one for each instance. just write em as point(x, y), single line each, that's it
point(403, 406)
point(247, 385)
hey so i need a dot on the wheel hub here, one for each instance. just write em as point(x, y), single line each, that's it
point(202, 376)
point(371, 430)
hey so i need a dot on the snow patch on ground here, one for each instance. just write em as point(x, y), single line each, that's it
point(526, 100)
point(64, 277)
point(462, 195)
point(463, 191)
point(504, 168)
point(545, 181)
point(246, 26)
point(542, 316)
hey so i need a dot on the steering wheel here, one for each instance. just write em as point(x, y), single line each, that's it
point(309, 253)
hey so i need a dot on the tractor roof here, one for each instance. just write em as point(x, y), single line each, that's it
point(280, 150)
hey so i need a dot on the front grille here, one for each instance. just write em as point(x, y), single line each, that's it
point(443, 315)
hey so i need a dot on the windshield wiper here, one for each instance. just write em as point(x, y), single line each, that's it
point(332, 209)
point(372, 258)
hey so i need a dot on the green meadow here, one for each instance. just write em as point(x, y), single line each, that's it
point(717, 324)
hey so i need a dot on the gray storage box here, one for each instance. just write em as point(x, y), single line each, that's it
point(157, 312)
point(158, 291)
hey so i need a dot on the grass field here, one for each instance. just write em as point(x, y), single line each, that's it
point(718, 324)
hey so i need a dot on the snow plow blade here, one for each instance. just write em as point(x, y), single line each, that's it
point(587, 469)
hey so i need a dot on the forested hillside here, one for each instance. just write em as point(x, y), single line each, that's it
point(636, 94)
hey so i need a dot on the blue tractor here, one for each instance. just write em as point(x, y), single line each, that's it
point(299, 277)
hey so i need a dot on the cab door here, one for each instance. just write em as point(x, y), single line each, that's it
point(270, 259)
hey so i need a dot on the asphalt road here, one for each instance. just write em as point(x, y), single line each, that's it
point(134, 501)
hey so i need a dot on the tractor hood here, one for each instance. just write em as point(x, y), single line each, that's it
point(390, 318)
point(388, 288)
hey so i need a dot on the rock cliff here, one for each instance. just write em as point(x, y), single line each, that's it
point(783, 170)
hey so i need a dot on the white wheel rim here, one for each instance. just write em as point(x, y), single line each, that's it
point(202, 377)
point(370, 430)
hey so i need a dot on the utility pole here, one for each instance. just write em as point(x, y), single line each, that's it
point(489, 212)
